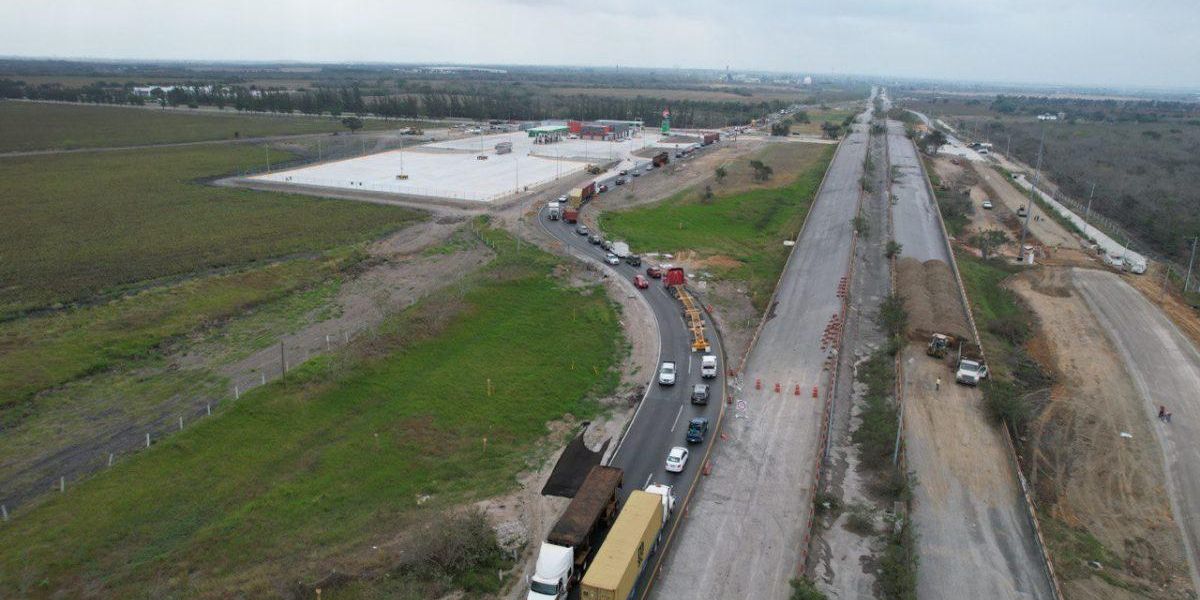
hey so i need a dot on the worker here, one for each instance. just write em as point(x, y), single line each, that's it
point(937, 385)
point(1162, 413)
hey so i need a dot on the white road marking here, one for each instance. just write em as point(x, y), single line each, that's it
point(689, 363)
point(680, 412)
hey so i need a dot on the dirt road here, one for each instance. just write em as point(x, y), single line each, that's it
point(1040, 224)
point(1166, 372)
point(1098, 465)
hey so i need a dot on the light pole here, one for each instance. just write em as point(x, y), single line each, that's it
point(1032, 190)
point(1088, 211)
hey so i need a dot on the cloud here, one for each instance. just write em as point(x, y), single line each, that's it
point(1066, 41)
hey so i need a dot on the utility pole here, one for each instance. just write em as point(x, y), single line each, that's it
point(1037, 174)
point(1088, 212)
point(267, 151)
point(1188, 281)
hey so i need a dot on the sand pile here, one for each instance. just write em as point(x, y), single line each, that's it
point(931, 298)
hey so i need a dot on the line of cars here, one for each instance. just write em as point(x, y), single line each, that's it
point(697, 428)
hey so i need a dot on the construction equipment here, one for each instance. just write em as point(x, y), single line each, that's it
point(593, 169)
point(569, 548)
point(939, 345)
point(676, 282)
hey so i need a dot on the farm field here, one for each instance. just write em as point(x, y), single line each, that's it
point(443, 405)
point(42, 126)
point(747, 94)
point(85, 225)
point(818, 116)
point(738, 234)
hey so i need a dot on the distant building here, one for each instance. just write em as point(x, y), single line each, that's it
point(1047, 117)
point(547, 133)
point(808, 81)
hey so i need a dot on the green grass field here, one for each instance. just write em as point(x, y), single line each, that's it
point(78, 226)
point(37, 126)
point(741, 232)
point(44, 352)
point(309, 473)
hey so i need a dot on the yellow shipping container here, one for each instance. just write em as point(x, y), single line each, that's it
point(576, 198)
point(630, 543)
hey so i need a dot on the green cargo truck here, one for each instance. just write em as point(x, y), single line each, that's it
point(618, 566)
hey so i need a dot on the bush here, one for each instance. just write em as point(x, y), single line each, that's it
point(876, 435)
point(860, 520)
point(893, 249)
point(898, 565)
point(804, 589)
point(1013, 328)
point(1005, 403)
point(456, 545)
point(892, 316)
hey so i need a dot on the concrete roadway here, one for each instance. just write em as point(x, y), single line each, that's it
point(975, 538)
point(745, 529)
point(914, 215)
point(1166, 372)
point(662, 419)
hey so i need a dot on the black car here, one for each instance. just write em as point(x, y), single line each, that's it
point(620, 181)
point(700, 393)
point(633, 260)
point(696, 429)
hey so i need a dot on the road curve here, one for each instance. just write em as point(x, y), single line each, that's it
point(661, 421)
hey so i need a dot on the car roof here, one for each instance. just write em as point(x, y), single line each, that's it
point(700, 386)
point(678, 451)
point(698, 421)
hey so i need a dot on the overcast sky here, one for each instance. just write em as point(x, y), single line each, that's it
point(1105, 42)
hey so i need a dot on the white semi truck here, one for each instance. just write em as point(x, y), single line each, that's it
point(571, 544)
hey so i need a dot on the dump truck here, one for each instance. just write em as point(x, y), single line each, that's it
point(571, 215)
point(570, 547)
point(970, 369)
point(661, 159)
point(622, 560)
point(709, 138)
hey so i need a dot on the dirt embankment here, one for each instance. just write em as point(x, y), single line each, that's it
point(931, 298)
point(1098, 473)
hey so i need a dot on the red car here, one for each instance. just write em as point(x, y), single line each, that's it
point(654, 272)
point(640, 282)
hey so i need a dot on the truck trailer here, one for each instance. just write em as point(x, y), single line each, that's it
point(710, 138)
point(568, 549)
point(633, 539)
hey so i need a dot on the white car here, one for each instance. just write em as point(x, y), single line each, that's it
point(677, 459)
point(562, 198)
point(612, 259)
point(666, 373)
point(987, 205)
point(708, 366)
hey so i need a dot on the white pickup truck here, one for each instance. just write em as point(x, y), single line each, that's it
point(971, 368)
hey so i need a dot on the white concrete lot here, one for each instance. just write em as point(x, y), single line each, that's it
point(451, 169)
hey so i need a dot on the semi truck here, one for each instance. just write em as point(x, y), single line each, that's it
point(709, 138)
point(571, 544)
point(554, 211)
point(970, 369)
point(580, 195)
point(633, 539)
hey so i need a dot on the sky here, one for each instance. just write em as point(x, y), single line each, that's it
point(1116, 43)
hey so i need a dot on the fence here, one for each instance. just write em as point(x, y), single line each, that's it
point(73, 463)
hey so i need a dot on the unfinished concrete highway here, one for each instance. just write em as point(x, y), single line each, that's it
point(914, 214)
point(745, 530)
point(1165, 368)
point(975, 537)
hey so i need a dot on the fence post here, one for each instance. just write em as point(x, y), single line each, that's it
point(181, 423)
point(147, 440)
point(4, 512)
point(237, 392)
point(62, 485)
point(110, 459)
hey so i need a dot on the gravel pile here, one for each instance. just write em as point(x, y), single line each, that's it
point(931, 298)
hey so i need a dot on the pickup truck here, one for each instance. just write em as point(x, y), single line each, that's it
point(971, 368)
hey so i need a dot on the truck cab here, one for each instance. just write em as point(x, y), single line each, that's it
point(554, 569)
point(971, 368)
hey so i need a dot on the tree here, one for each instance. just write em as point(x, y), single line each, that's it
point(720, 172)
point(801, 117)
point(782, 128)
point(708, 194)
point(352, 123)
point(934, 139)
point(861, 226)
point(893, 249)
point(762, 172)
point(989, 240)
point(831, 130)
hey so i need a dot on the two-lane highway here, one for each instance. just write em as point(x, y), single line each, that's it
point(661, 420)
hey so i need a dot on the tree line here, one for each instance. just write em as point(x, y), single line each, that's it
point(479, 103)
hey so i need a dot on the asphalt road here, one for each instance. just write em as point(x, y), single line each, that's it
point(915, 216)
point(661, 421)
point(1165, 367)
point(746, 527)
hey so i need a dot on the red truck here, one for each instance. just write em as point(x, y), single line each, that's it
point(711, 137)
point(588, 191)
point(661, 159)
point(571, 215)
point(674, 276)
